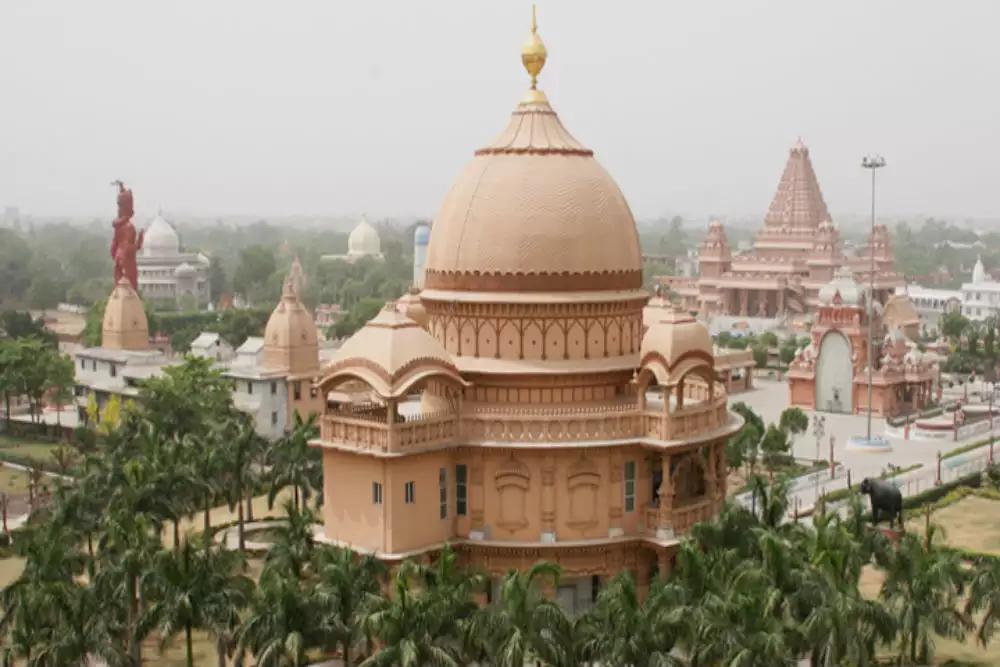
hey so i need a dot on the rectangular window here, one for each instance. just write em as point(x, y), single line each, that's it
point(409, 493)
point(461, 490)
point(249, 387)
point(297, 389)
point(376, 493)
point(630, 486)
point(443, 492)
point(114, 371)
point(83, 364)
point(274, 419)
point(93, 365)
point(274, 387)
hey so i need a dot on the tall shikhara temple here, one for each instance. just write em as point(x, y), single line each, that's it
point(793, 256)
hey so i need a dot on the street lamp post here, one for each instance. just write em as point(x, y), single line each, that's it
point(874, 163)
point(818, 428)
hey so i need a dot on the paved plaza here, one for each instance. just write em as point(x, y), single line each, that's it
point(770, 397)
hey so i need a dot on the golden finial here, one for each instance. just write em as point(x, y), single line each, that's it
point(533, 52)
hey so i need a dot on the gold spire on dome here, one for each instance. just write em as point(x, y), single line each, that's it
point(533, 55)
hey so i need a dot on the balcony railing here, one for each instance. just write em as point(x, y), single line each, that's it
point(367, 427)
point(678, 520)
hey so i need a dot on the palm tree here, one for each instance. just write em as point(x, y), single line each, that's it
point(128, 544)
point(984, 596)
point(841, 625)
point(345, 582)
point(921, 587)
point(192, 588)
point(292, 549)
point(83, 629)
point(525, 626)
point(620, 630)
point(242, 448)
point(744, 622)
point(294, 464)
point(27, 606)
point(413, 626)
point(282, 623)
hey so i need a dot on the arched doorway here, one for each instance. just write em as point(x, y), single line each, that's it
point(834, 374)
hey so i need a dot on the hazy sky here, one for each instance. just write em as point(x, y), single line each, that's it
point(328, 107)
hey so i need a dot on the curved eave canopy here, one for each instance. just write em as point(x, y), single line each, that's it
point(386, 384)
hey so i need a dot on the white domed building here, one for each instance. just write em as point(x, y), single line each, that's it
point(166, 274)
point(363, 241)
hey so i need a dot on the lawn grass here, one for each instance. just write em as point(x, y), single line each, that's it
point(37, 451)
point(967, 651)
point(13, 482)
point(971, 524)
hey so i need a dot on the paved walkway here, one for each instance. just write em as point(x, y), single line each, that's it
point(770, 397)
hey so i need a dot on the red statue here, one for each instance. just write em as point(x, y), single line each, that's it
point(125, 243)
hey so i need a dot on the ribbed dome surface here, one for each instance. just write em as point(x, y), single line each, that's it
point(160, 239)
point(534, 211)
point(364, 240)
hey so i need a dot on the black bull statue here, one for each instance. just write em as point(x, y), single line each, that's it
point(886, 500)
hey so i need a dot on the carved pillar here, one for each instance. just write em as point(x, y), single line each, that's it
point(744, 299)
point(548, 500)
point(476, 496)
point(711, 476)
point(665, 531)
point(663, 564)
point(391, 421)
point(781, 301)
point(642, 576)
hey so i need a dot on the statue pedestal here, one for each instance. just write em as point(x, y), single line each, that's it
point(876, 444)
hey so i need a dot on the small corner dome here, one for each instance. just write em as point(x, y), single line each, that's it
point(391, 353)
point(364, 240)
point(185, 270)
point(675, 344)
point(290, 325)
point(160, 239)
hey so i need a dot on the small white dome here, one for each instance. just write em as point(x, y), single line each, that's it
point(843, 282)
point(160, 239)
point(363, 240)
point(185, 270)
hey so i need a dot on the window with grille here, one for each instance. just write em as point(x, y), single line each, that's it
point(376, 493)
point(443, 492)
point(409, 493)
point(630, 486)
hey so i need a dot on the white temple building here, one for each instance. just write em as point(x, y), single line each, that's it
point(981, 297)
point(363, 241)
point(166, 274)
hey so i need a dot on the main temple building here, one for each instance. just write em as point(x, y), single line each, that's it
point(517, 407)
point(794, 255)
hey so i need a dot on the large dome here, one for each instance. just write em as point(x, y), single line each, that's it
point(160, 239)
point(534, 211)
point(363, 240)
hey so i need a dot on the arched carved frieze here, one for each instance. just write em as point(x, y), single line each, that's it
point(540, 331)
point(583, 481)
point(513, 479)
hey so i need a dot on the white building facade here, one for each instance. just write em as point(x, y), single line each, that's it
point(981, 297)
point(167, 275)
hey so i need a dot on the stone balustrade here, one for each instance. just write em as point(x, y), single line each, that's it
point(678, 520)
point(369, 430)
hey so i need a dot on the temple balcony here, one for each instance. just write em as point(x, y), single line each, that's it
point(388, 428)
